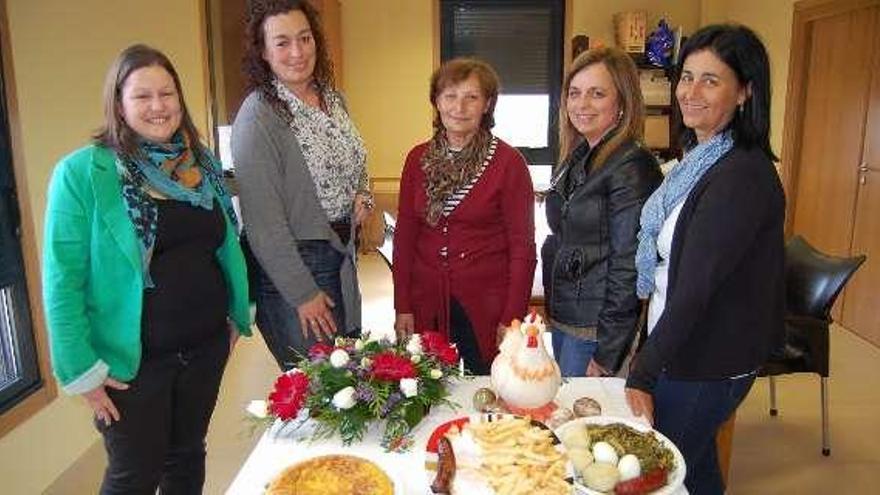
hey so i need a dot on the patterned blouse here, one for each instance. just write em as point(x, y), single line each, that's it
point(333, 150)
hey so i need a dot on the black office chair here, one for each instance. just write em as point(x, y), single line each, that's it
point(813, 281)
point(386, 250)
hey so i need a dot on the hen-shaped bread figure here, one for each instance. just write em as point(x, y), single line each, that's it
point(524, 375)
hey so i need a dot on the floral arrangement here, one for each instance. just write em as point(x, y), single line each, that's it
point(348, 385)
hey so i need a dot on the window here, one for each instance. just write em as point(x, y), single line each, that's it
point(19, 370)
point(523, 41)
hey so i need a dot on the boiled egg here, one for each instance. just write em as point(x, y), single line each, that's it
point(604, 452)
point(629, 467)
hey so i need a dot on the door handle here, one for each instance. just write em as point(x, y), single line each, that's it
point(863, 167)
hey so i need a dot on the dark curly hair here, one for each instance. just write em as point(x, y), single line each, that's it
point(257, 71)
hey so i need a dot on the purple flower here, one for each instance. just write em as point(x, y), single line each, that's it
point(363, 393)
point(390, 404)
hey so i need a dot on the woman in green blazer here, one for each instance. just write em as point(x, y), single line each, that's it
point(144, 282)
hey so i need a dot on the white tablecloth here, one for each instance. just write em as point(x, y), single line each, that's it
point(278, 449)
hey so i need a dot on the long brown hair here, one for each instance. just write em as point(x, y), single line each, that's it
point(257, 71)
point(115, 133)
point(631, 125)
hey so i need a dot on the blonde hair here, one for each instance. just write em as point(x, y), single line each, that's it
point(631, 125)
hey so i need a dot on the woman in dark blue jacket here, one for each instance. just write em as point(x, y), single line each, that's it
point(710, 253)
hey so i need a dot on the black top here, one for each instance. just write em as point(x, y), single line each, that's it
point(725, 300)
point(189, 303)
point(588, 261)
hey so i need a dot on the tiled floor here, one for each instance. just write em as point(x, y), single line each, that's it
point(770, 455)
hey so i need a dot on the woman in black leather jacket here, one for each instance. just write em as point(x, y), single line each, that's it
point(593, 211)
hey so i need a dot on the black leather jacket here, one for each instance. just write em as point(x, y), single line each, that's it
point(588, 261)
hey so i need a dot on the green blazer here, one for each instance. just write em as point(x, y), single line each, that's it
point(92, 274)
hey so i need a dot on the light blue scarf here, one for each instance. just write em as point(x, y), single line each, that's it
point(674, 189)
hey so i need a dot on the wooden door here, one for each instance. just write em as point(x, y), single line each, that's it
point(860, 311)
point(835, 102)
point(840, 46)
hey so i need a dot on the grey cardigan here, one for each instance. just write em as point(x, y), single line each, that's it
point(279, 206)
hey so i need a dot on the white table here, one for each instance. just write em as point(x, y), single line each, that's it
point(279, 449)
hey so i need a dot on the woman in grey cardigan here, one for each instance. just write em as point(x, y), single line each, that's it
point(303, 184)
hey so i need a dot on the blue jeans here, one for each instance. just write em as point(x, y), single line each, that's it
point(279, 322)
point(690, 413)
point(572, 353)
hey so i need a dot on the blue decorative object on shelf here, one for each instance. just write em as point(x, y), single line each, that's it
point(659, 45)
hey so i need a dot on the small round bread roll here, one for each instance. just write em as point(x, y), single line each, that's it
point(601, 476)
point(586, 406)
point(559, 417)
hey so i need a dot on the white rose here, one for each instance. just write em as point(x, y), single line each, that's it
point(366, 362)
point(414, 345)
point(339, 342)
point(436, 374)
point(344, 399)
point(409, 387)
point(339, 358)
point(358, 344)
point(258, 408)
point(416, 358)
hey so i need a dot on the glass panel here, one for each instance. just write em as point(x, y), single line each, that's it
point(522, 120)
point(10, 370)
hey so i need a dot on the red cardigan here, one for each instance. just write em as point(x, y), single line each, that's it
point(491, 249)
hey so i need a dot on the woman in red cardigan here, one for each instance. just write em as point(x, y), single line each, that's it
point(464, 248)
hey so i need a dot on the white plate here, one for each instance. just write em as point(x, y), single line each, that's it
point(675, 480)
point(431, 450)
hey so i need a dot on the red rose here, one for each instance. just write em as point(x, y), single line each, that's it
point(388, 366)
point(289, 395)
point(448, 355)
point(320, 350)
point(432, 342)
point(435, 344)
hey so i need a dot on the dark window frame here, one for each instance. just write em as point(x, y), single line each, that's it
point(555, 60)
point(19, 347)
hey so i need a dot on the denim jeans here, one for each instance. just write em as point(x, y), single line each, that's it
point(572, 353)
point(278, 321)
point(159, 440)
point(690, 413)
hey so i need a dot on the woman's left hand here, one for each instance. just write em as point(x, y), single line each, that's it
point(500, 332)
point(363, 205)
point(641, 403)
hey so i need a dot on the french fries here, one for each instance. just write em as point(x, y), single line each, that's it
point(519, 459)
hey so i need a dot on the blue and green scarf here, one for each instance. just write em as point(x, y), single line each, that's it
point(175, 171)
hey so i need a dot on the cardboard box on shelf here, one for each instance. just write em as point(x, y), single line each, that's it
point(657, 131)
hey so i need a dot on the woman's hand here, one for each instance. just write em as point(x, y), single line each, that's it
point(363, 205)
point(500, 332)
point(100, 402)
point(404, 325)
point(316, 316)
point(641, 403)
point(596, 370)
